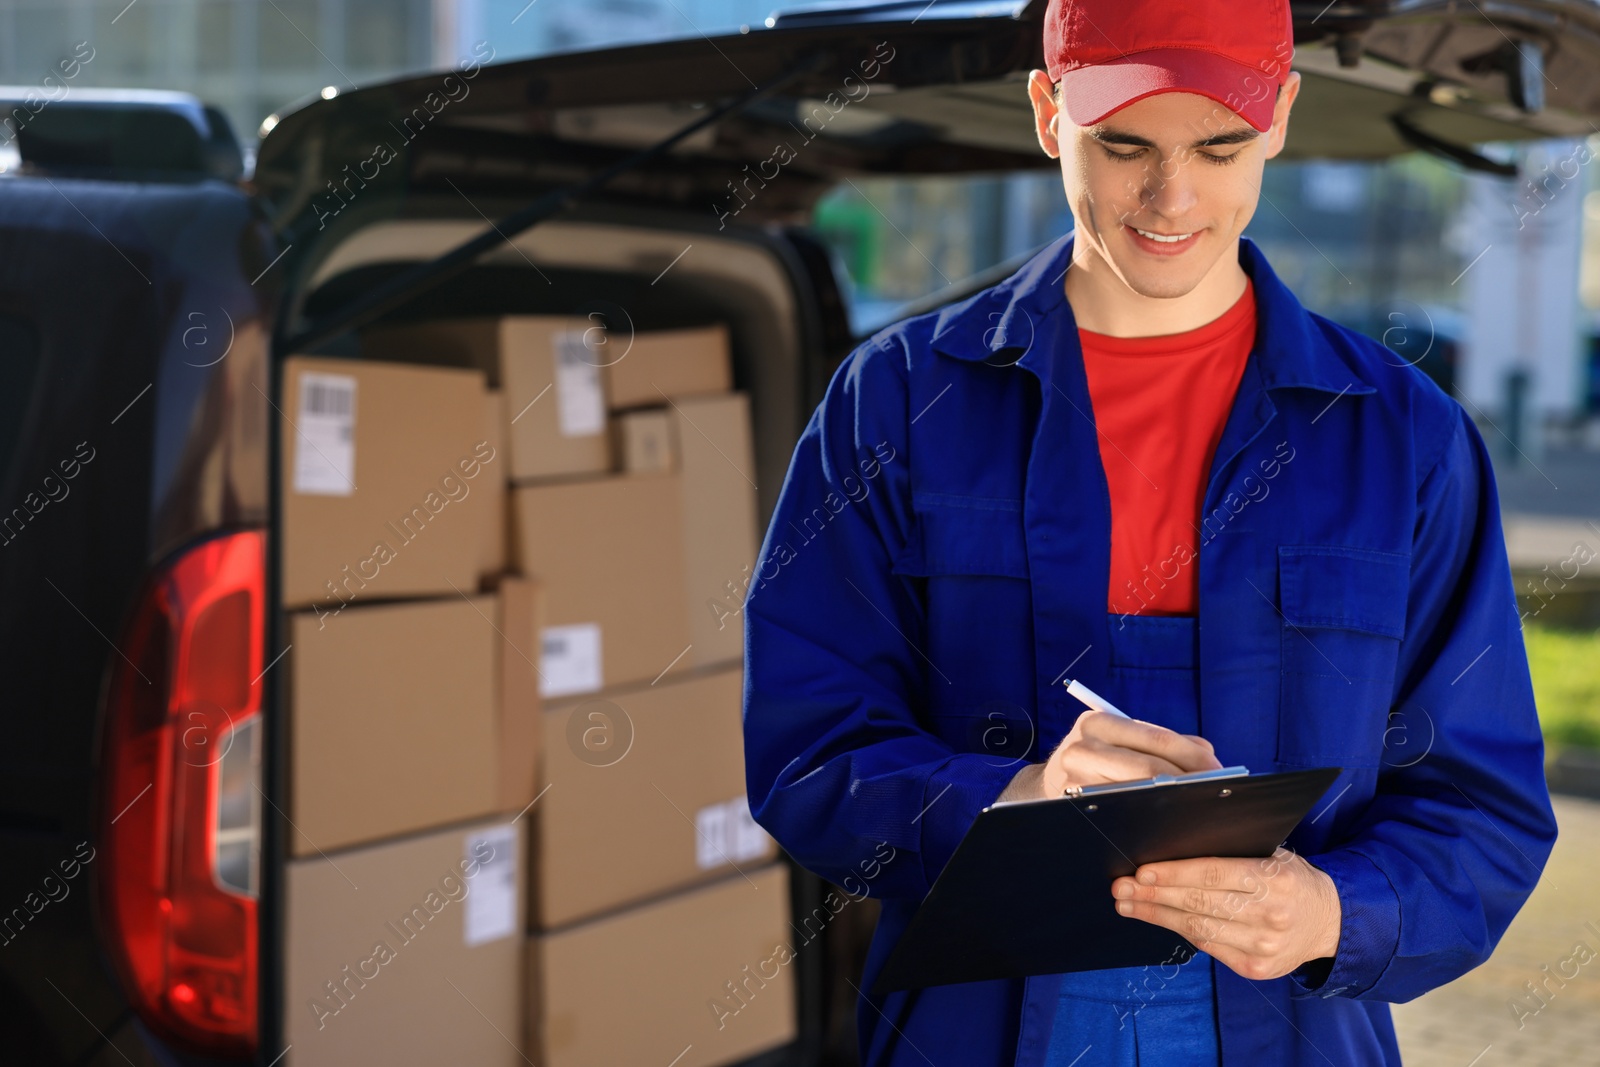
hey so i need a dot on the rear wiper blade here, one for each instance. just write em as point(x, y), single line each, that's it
point(1418, 138)
point(419, 279)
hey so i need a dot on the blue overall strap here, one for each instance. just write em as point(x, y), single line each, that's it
point(1165, 1013)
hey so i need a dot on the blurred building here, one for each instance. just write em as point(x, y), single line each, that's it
point(251, 57)
point(519, 28)
point(1527, 337)
point(1474, 279)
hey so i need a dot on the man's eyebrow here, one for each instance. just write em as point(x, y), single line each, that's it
point(1110, 135)
point(1241, 135)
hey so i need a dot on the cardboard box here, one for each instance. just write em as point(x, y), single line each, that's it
point(492, 554)
point(408, 952)
point(384, 487)
point(608, 553)
point(720, 538)
point(393, 721)
point(668, 364)
point(521, 617)
point(702, 978)
point(642, 441)
point(550, 368)
point(645, 795)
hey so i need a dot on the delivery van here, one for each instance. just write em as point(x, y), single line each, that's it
point(175, 327)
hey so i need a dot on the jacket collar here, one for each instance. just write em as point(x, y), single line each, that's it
point(999, 325)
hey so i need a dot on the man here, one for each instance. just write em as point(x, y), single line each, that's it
point(1139, 462)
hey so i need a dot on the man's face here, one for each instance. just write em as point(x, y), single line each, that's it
point(1161, 189)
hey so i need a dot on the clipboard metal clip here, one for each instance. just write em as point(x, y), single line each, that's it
point(1160, 779)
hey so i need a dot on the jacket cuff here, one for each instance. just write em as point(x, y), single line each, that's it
point(956, 792)
point(1369, 929)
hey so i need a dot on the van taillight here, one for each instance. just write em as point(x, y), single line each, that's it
point(180, 819)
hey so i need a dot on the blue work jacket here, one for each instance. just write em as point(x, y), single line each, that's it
point(938, 562)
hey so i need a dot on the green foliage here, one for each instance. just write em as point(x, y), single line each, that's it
point(1566, 682)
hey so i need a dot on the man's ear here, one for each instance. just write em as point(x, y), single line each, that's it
point(1046, 116)
point(1279, 133)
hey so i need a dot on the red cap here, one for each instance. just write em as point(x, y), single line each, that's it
point(1108, 53)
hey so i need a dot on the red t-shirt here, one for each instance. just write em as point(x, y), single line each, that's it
point(1160, 404)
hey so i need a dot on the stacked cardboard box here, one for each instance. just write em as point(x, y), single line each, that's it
point(408, 951)
point(698, 979)
point(632, 476)
point(632, 505)
point(413, 717)
point(609, 553)
point(712, 434)
point(388, 476)
point(645, 796)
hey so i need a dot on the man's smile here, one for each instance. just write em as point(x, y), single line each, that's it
point(1161, 244)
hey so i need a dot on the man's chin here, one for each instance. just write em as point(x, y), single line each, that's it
point(1163, 278)
point(1162, 285)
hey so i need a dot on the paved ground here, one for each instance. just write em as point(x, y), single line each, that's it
point(1569, 547)
point(1559, 482)
point(1550, 505)
point(1471, 1021)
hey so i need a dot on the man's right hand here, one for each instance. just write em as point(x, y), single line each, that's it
point(1107, 748)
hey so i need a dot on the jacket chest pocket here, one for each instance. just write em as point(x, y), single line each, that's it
point(961, 536)
point(1343, 617)
point(968, 556)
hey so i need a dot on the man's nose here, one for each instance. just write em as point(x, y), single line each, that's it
point(1168, 186)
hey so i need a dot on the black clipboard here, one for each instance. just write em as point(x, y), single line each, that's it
point(1028, 890)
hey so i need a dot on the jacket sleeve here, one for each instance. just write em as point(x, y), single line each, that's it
point(1458, 835)
point(837, 763)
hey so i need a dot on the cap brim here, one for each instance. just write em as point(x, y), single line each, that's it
point(1089, 94)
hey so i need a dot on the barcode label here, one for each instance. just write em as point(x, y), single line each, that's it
point(491, 904)
point(569, 659)
point(325, 435)
point(726, 833)
point(580, 402)
point(325, 397)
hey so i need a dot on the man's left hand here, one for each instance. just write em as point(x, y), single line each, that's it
point(1260, 917)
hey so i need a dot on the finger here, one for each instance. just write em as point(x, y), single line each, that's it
point(1186, 752)
point(1206, 872)
point(1202, 931)
point(1227, 904)
point(1095, 761)
point(1215, 764)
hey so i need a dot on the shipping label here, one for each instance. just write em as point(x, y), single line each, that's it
point(580, 399)
point(491, 903)
point(726, 833)
point(569, 659)
point(325, 435)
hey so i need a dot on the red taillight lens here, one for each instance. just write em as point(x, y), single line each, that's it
point(181, 817)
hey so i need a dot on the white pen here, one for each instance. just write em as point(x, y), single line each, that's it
point(1093, 699)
